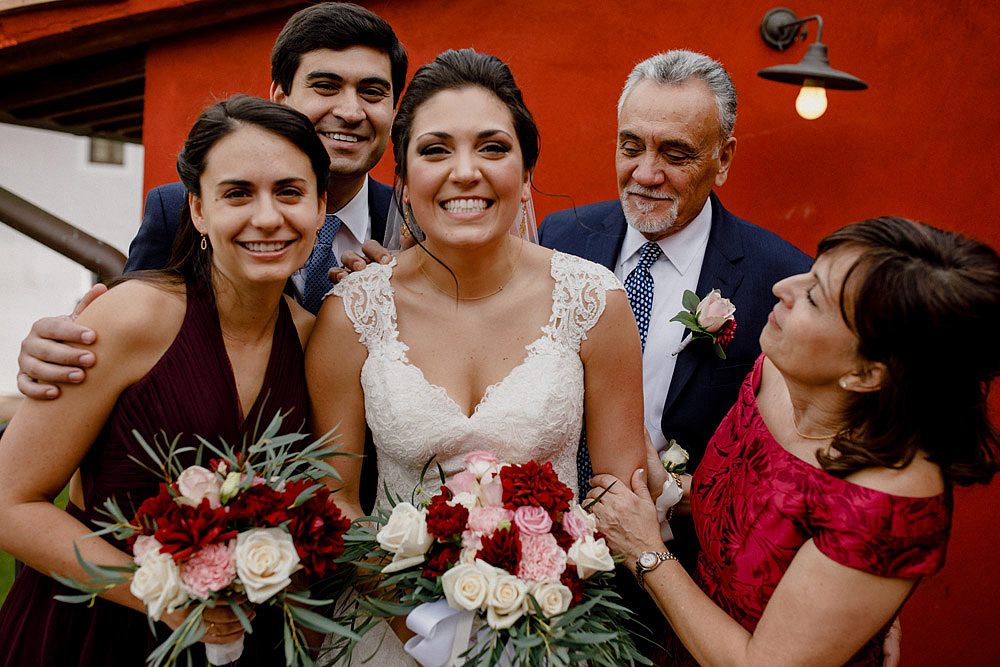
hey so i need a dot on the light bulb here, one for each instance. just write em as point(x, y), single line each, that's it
point(811, 102)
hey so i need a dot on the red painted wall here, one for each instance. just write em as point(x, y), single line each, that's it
point(919, 143)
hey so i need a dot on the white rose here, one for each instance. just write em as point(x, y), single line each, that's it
point(467, 585)
point(552, 597)
point(589, 518)
point(157, 583)
point(466, 499)
point(590, 556)
point(265, 560)
point(197, 483)
point(675, 457)
point(506, 601)
point(714, 311)
point(405, 536)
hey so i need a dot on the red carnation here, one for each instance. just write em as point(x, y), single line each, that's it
point(574, 583)
point(725, 335)
point(187, 529)
point(533, 484)
point(502, 549)
point(563, 539)
point(443, 556)
point(445, 521)
point(317, 528)
point(151, 509)
point(260, 504)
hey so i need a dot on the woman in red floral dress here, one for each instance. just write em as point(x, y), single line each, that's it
point(825, 494)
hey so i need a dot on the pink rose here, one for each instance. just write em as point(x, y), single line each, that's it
point(197, 483)
point(575, 525)
point(144, 544)
point(532, 520)
point(480, 462)
point(484, 520)
point(210, 569)
point(491, 490)
point(714, 311)
point(542, 559)
point(463, 482)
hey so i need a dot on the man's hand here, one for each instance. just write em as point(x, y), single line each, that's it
point(351, 261)
point(46, 358)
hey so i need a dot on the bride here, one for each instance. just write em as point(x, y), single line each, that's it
point(474, 338)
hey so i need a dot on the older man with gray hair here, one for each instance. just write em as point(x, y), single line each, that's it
point(668, 233)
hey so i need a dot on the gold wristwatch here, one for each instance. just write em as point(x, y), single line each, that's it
point(650, 560)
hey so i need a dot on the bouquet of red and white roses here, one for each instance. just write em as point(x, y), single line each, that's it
point(238, 528)
point(505, 548)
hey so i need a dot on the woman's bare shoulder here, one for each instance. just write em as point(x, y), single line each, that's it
point(138, 313)
point(919, 479)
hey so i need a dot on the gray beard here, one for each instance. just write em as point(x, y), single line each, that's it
point(645, 225)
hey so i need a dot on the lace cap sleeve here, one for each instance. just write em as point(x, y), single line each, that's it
point(578, 298)
point(369, 304)
point(885, 535)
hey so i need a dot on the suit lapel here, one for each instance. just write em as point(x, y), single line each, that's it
point(719, 270)
point(604, 241)
point(379, 201)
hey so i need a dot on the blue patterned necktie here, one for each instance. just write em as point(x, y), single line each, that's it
point(639, 287)
point(317, 268)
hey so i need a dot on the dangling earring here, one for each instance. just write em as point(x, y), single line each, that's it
point(524, 220)
point(204, 242)
point(405, 229)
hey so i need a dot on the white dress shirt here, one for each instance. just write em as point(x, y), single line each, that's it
point(677, 270)
point(355, 229)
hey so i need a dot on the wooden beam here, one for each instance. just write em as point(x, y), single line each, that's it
point(91, 99)
point(72, 78)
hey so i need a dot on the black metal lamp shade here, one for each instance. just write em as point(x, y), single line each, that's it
point(815, 66)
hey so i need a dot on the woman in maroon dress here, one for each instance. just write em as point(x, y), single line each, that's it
point(825, 494)
point(209, 346)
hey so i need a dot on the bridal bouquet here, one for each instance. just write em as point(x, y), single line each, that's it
point(501, 567)
point(237, 529)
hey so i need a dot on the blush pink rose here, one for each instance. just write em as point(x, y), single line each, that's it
point(575, 526)
point(714, 311)
point(479, 462)
point(484, 520)
point(196, 483)
point(491, 491)
point(532, 520)
point(144, 544)
point(210, 569)
point(463, 482)
point(542, 559)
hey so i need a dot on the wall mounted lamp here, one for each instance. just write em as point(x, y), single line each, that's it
point(779, 29)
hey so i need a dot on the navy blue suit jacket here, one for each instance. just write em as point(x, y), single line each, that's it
point(742, 260)
point(161, 214)
point(152, 245)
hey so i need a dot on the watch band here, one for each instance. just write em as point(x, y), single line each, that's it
point(641, 569)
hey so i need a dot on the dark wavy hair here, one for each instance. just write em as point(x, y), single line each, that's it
point(925, 303)
point(336, 26)
point(188, 260)
point(454, 70)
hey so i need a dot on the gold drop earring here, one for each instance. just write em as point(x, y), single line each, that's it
point(204, 242)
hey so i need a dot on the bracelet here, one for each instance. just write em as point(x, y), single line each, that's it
point(670, 510)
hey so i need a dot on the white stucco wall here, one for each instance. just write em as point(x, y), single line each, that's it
point(52, 171)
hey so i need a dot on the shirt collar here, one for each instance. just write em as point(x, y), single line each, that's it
point(354, 214)
point(681, 249)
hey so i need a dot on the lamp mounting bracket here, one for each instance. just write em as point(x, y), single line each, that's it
point(780, 27)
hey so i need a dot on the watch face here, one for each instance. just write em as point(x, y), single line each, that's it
point(647, 559)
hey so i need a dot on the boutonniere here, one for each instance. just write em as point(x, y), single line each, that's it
point(712, 318)
point(675, 459)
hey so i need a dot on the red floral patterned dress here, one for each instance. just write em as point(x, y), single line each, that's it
point(755, 504)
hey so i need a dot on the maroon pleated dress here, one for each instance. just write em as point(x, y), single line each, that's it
point(755, 504)
point(190, 391)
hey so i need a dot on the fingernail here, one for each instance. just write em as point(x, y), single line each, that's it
point(87, 358)
point(87, 337)
point(51, 393)
point(385, 259)
point(76, 376)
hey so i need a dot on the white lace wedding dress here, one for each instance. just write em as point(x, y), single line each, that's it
point(535, 412)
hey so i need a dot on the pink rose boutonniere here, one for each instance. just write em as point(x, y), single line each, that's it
point(713, 319)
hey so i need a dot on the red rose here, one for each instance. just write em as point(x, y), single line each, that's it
point(317, 528)
point(574, 583)
point(443, 556)
point(445, 521)
point(187, 529)
point(502, 549)
point(533, 484)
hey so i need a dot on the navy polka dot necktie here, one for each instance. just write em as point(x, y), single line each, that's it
point(639, 287)
point(317, 268)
